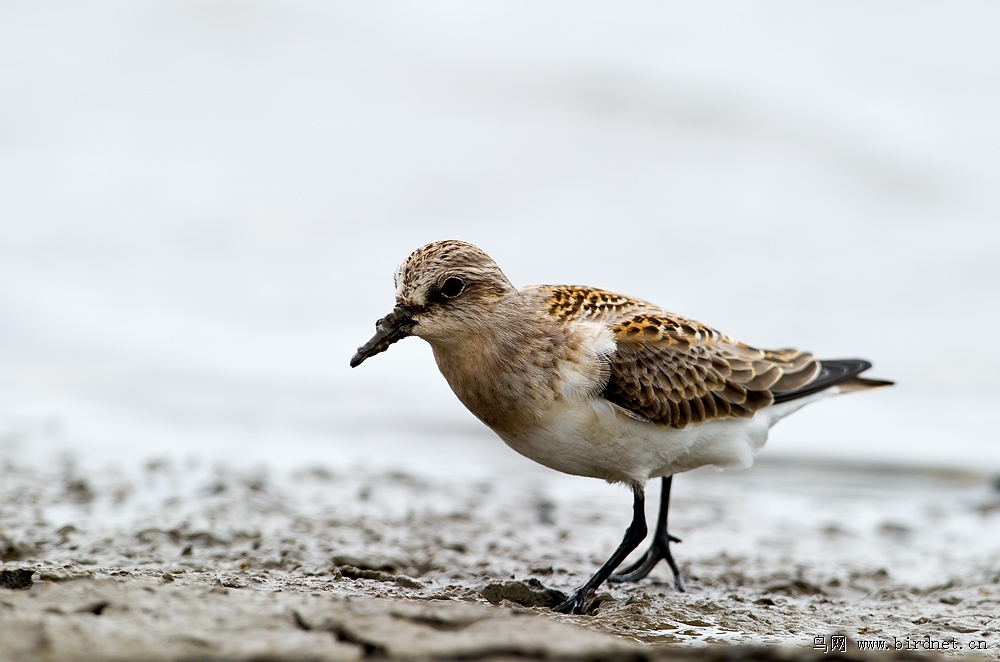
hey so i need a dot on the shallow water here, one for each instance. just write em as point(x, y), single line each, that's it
point(202, 206)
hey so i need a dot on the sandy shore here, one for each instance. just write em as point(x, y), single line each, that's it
point(177, 561)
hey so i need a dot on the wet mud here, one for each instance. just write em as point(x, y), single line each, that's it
point(175, 560)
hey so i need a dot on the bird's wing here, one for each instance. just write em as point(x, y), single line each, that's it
point(674, 371)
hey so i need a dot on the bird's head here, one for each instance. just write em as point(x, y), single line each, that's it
point(443, 290)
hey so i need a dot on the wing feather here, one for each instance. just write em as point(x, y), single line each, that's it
point(677, 372)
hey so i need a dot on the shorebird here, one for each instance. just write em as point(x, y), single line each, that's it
point(592, 383)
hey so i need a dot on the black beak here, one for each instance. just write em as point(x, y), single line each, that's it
point(395, 326)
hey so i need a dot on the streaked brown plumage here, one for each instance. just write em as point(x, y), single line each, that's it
point(674, 371)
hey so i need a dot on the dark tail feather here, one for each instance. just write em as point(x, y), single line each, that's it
point(835, 372)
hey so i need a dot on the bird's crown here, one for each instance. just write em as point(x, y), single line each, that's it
point(444, 270)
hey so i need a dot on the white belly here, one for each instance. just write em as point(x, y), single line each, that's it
point(594, 438)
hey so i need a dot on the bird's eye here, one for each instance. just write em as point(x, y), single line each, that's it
point(452, 288)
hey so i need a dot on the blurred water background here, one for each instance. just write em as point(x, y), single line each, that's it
point(202, 205)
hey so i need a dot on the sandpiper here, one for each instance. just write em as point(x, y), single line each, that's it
point(597, 384)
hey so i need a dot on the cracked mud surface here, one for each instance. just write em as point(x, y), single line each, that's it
point(182, 560)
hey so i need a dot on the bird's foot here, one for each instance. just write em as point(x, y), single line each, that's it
point(579, 603)
point(658, 551)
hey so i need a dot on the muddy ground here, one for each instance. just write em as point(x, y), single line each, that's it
point(180, 560)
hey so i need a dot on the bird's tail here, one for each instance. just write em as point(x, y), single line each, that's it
point(862, 384)
point(840, 373)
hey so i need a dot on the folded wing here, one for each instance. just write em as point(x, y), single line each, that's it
point(677, 372)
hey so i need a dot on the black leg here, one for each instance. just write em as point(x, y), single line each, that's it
point(660, 549)
point(634, 535)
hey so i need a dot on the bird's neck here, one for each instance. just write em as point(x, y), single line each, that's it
point(499, 373)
